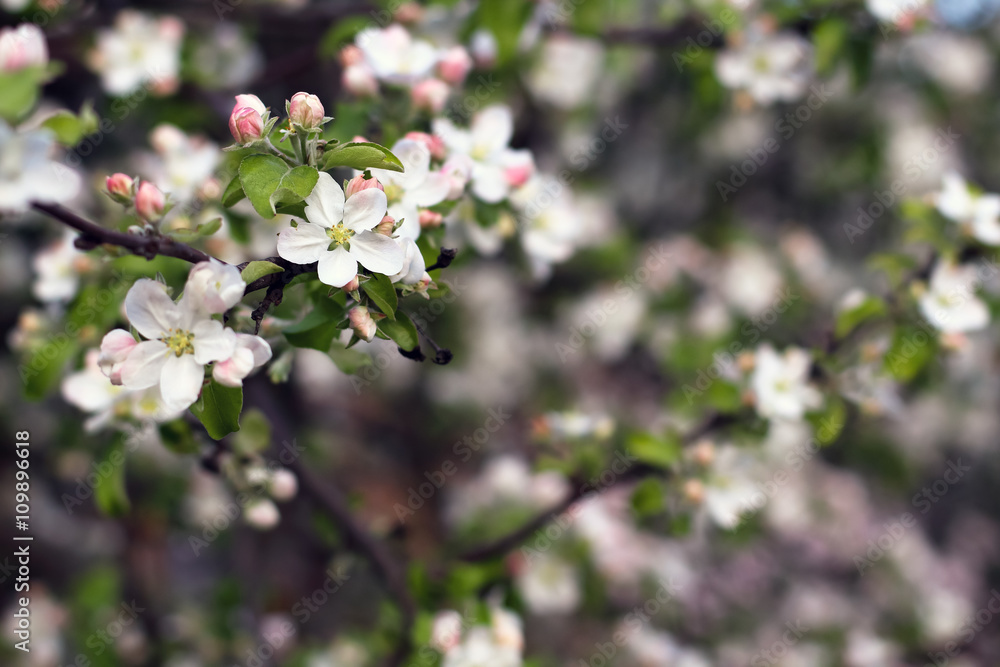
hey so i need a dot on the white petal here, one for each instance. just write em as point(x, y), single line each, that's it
point(230, 373)
point(489, 183)
point(303, 244)
point(410, 228)
point(337, 268)
point(377, 253)
point(325, 204)
point(150, 310)
point(258, 347)
point(181, 381)
point(431, 191)
point(365, 209)
point(416, 159)
point(142, 367)
point(212, 341)
point(491, 129)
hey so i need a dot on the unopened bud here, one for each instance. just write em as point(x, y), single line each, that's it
point(246, 125)
point(149, 202)
point(446, 631)
point(262, 514)
point(433, 143)
point(430, 95)
point(746, 362)
point(284, 485)
point(410, 12)
point(386, 226)
point(359, 183)
point(362, 323)
point(703, 452)
point(351, 55)
point(694, 491)
point(306, 111)
point(454, 65)
point(120, 187)
point(352, 286)
point(359, 80)
point(430, 219)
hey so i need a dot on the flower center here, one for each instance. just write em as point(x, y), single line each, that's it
point(393, 192)
point(179, 342)
point(340, 235)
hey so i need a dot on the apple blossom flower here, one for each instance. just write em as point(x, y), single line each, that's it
point(149, 202)
point(27, 174)
point(446, 630)
point(549, 585)
point(359, 79)
point(22, 47)
point(551, 222)
point(90, 391)
point(980, 212)
point(115, 348)
point(57, 271)
point(214, 286)
point(567, 71)
point(901, 13)
point(362, 323)
point(226, 59)
point(781, 384)
point(250, 352)
point(181, 340)
point(306, 111)
point(454, 65)
point(483, 48)
point(394, 56)
point(415, 188)
point(414, 268)
point(485, 143)
point(430, 95)
point(950, 304)
point(458, 169)
point(338, 234)
point(434, 144)
point(246, 122)
point(139, 51)
point(497, 645)
point(770, 68)
point(184, 164)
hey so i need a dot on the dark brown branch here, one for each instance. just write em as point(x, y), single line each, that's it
point(93, 235)
point(444, 260)
point(582, 489)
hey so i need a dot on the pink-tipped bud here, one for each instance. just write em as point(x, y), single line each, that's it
point(149, 202)
point(430, 219)
point(362, 323)
point(446, 631)
point(261, 514)
point(518, 168)
point(115, 349)
point(283, 485)
point(454, 65)
point(359, 80)
point(409, 12)
point(120, 187)
point(351, 55)
point(166, 138)
point(352, 286)
point(430, 95)
point(251, 101)
point(433, 143)
point(386, 226)
point(306, 111)
point(246, 125)
point(22, 47)
point(359, 183)
point(358, 139)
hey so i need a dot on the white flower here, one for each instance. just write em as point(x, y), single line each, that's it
point(732, 490)
point(549, 585)
point(781, 383)
point(215, 286)
point(140, 50)
point(250, 352)
point(414, 268)
point(950, 304)
point(183, 163)
point(552, 226)
point(27, 174)
point(338, 234)
point(56, 268)
point(91, 391)
point(181, 341)
point(499, 645)
point(900, 12)
point(567, 71)
point(486, 143)
point(981, 213)
point(446, 630)
point(262, 514)
point(417, 187)
point(394, 56)
point(771, 68)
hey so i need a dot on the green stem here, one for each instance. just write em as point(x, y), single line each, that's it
point(284, 156)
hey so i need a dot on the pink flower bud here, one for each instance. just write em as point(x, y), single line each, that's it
point(166, 138)
point(359, 183)
point(261, 514)
point(284, 485)
point(251, 101)
point(433, 143)
point(246, 125)
point(362, 323)
point(454, 65)
point(359, 80)
point(351, 55)
point(358, 139)
point(120, 187)
point(352, 286)
point(306, 110)
point(149, 202)
point(410, 12)
point(22, 47)
point(446, 631)
point(385, 227)
point(484, 49)
point(430, 95)
point(115, 348)
point(430, 219)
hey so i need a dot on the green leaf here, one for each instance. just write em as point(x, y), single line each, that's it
point(361, 156)
point(260, 176)
point(295, 186)
point(661, 452)
point(505, 19)
point(67, 127)
point(829, 422)
point(234, 193)
point(647, 499)
point(259, 269)
point(176, 436)
point(317, 329)
point(202, 230)
point(830, 38)
point(401, 331)
point(380, 290)
point(109, 492)
point(850, 319)
point(911, 349)
point(255, 436)
point(219, 409)
point(20, 92)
